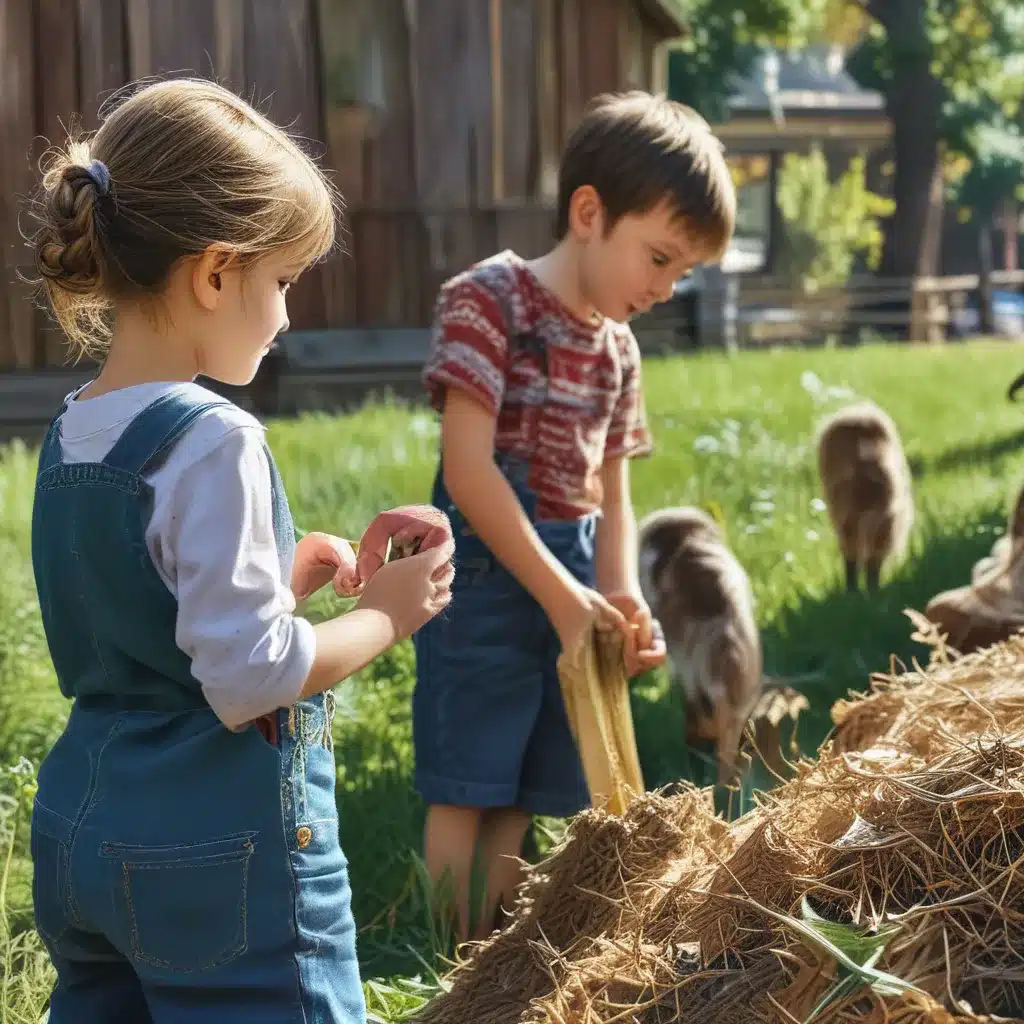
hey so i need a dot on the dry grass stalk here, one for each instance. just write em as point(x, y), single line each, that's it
point(669, 914)
point(596, 694)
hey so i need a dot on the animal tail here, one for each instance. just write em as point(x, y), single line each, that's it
point(1017, 384)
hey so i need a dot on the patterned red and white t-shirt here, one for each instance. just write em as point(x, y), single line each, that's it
point(566, 394)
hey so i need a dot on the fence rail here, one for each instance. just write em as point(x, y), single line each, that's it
point(336, 368)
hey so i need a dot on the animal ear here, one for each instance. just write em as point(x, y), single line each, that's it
point(1017, 518)
point(714, 510)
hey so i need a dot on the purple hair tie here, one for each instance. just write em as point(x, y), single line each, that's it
point(100, 176)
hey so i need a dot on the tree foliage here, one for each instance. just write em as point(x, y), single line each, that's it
point(828, 225)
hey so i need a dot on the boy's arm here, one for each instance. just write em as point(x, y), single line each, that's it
point(615, 556)
point(490, 505)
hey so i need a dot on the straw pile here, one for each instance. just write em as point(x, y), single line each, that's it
point(908, 831)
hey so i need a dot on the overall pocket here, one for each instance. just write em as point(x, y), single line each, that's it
point(49, 842)
point(186, 904)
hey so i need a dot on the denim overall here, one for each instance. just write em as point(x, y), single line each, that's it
point(489, 723)
point(182, 872)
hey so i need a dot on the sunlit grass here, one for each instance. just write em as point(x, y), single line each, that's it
point(734, 430)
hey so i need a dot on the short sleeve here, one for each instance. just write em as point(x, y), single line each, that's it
point(469, 347)
point(628, 434)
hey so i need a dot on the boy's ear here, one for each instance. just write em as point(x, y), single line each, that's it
point(586, 213)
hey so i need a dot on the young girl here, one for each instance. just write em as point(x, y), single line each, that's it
point(187, 865)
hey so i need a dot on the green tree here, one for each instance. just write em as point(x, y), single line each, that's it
point(936, 62)
point(933, 61)
point(828, 225)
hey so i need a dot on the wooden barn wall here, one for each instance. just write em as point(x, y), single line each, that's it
point(441, 122)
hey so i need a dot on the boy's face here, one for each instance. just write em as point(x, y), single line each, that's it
point(627, 270)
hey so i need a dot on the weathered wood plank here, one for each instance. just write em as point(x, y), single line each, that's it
point(599, 35)
point(570, 48)
point(452, 103)
point(171, 37)
point(229, 33)
point(103, 55)
point(58, 103)
point(17, 128)
point(547, 120)
point(283, 76)
point(518, 111)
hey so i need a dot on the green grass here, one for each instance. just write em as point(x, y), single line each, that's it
point(737, 431)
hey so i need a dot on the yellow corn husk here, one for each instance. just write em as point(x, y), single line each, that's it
point(596, 695)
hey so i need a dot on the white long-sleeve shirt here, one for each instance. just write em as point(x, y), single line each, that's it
point(211, 538)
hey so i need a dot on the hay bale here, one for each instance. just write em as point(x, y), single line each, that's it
point(670, 914)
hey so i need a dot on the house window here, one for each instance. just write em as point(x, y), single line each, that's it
point(751, 174)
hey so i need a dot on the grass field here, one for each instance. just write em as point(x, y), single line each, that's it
point(737, 431)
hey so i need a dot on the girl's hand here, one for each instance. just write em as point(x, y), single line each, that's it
point(645, 641)
point(321, 559)
point(411, 591)
point(410, 529)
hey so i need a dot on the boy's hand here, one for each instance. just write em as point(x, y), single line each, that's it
point(321, 559)
point(645, 642)
point(416, 528)
point(578, 611)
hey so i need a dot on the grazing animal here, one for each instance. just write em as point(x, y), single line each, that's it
point(868, 489)
point(990, 608)
point(701, 595)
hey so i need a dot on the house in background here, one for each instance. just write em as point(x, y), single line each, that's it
point(442, 121)
point(787, 104)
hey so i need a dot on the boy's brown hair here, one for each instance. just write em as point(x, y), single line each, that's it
point(638, 150)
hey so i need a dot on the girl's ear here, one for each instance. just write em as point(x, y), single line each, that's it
point(206, 275)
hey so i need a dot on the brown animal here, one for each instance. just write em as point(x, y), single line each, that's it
point(990, 608)
point(701, 595)
point(868, 489)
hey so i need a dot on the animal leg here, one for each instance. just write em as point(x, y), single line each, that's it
point(873, 571)
point(852, 581)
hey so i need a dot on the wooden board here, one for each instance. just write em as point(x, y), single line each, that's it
point(282, 74)
point(548, 96)
point(519, 82)
point(452, 102)
point(17, 127)
point(102, 53)
point(58, 103)
point(171, 38)
point(599, 37)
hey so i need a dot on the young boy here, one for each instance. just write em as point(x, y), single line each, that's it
point(537, 378)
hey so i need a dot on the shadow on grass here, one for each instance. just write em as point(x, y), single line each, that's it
point(845, 637)
point(968, 455)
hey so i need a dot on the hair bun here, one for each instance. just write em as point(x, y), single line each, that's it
point(67, 250)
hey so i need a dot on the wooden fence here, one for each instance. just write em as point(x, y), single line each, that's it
point(332, 369)
point(738, 311)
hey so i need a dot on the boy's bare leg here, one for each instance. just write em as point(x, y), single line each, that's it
point(501, 844)
point(449, 843)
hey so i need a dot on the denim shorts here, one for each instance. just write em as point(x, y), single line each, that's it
point(489, 723)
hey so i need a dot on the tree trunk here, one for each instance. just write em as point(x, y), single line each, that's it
point(913, 233)
point(986, 297)
point(913, 102)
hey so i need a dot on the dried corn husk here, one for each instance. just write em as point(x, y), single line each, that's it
point(596, 695)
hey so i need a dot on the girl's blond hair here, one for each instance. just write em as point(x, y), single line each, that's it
point(190, 165)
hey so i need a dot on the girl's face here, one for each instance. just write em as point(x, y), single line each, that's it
point(249, 311)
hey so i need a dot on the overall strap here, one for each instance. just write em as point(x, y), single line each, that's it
point(154, 430)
